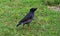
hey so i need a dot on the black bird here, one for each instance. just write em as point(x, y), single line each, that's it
point(28, 18)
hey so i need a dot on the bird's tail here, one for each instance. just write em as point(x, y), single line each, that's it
point(18, 24)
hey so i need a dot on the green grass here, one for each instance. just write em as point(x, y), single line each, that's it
point(51, 2)
point(46, 22)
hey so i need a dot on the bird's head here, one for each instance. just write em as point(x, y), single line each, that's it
point(33, 9)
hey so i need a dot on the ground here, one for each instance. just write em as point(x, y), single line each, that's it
point(46, 22)
point(55, 8)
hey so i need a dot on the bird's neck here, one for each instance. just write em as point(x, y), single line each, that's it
point(31, 11)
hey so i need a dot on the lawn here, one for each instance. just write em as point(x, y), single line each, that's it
point(45, 23)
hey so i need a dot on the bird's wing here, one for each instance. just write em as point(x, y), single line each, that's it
point(27, 18)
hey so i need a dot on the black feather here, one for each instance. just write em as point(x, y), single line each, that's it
point(28, 18)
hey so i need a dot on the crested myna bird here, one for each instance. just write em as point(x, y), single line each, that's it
point(28, 18)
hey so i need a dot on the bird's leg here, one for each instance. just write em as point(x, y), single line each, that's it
point(23, 26)
point(28, 27)
point(23, 29)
